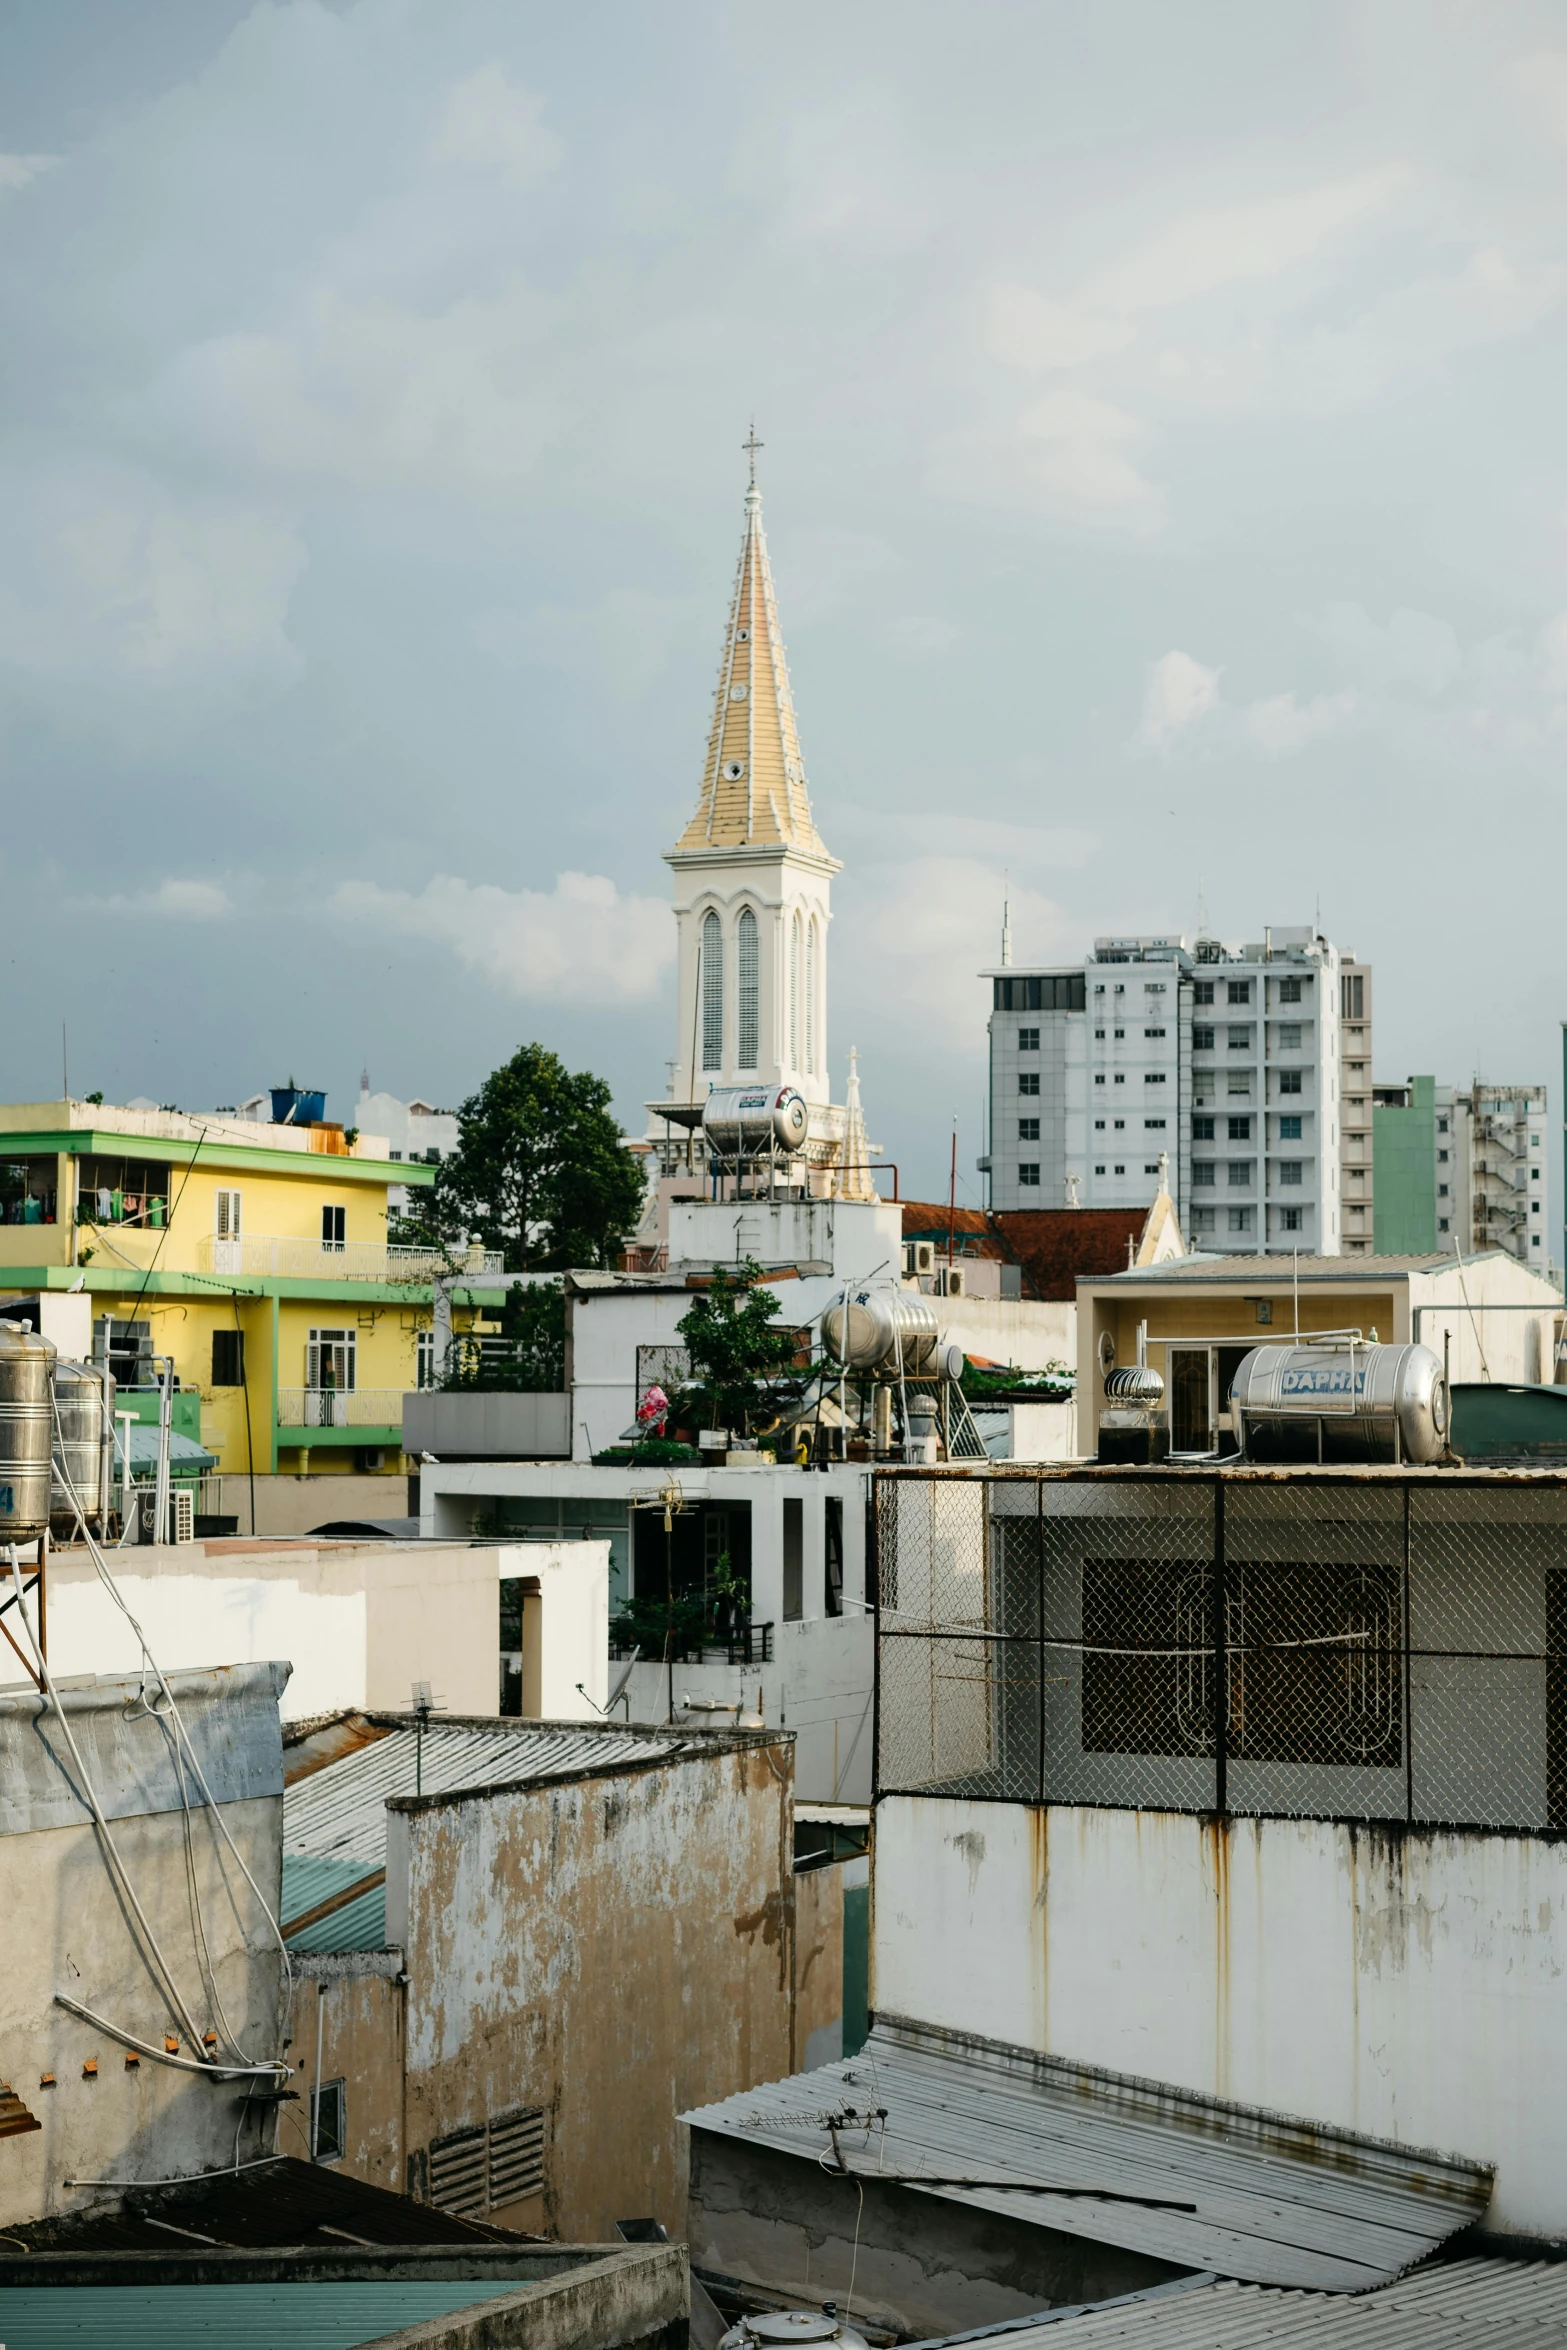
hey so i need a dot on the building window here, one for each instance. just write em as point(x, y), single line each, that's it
point(1202, 1129)
point(1028, 1081)
point(329, 2121)
point(1028, 1040)
point(1240, 1219)
point(228, 1358)
point(1150, 1123)
point(1202, 1040)
point(1099, 1125)
point(1120, 1170)
point(712, 993)
point(1352, 995)
point(1099, 1035)
point(832, 1553)
point(1119, 1079)
point(331, 1363)
point(333, 1221)
point(1238, 991)
point(1120, 1032)
point(1289, 1129)
point(1202, 991)
point(1289, 1219)
point(747, 969)
point(1151, 1167)
point(1239, 1038)
point(227, 1215)
point(1240, 1129)
point(1238, 1174)
point(1099, 1170)
point(1154, 1077)
point(1534, 1174)
point(1441, 1158)
point(1203, 1173)
point(1441, 1191)
point(1203, 1219)
point(1120, 1122)
point(1028, 1130)
point(1099, 1080)
point(793, 1560)
point(1028, 1173)
point(424, 1358)
point(1099, 987)
point(1289, 1036)
point(1289, 991)
point(1290, 1170)
point(796, 958)
point(1441, 1223)
point(1237, 1085)
point(1290, 1081)
point(1534, 1240)
point(1153, 987)
point(1153, 1032)
point(813, 955)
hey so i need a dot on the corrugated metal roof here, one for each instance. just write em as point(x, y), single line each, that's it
point(339, 1811)
point(246, 2317)
point(285, 2202)
point(1156, 2170)
point(1452, 2305)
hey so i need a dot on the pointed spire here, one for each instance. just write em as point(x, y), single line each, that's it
point(1006, 924)
point(855, 1181)
point(753, 780)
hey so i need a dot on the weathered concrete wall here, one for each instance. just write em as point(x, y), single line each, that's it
point(613, 1950)
point(1015, 1330)
point(359, 1622)
point(818, 1965)
point(69, 1931)
point(922, 2267)
point(1408, 1985)
point(354, 2000)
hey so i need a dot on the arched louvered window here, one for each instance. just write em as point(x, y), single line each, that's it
point(712, 993)
point(796, 952)
point(812, 949)
point(747, 965)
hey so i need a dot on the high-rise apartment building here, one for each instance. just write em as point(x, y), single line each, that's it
point(1221, 1061)
point(1461, 1167)
point(1356, 1153)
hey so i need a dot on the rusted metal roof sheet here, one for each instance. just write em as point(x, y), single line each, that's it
point(338, 1812)
point(1183, 2178)
point(1452, 2305)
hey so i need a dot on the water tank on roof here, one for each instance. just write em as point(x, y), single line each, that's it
point(26, 1432)
point(774, 2329)
point(750, 1121)
point(83, 1413)
point(292, 1106)
point(1341, 1401)
point(866, 1328)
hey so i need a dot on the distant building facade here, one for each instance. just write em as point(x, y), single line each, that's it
point(1222, 1061)
point(1461, 1166)
point(1357, 1179)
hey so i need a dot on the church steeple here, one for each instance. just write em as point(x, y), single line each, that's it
point(753, 779)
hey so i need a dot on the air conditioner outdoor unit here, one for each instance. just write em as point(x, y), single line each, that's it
point(921, 1256)
point(952, 1279)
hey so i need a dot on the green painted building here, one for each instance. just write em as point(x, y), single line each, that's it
point(1403, 1159)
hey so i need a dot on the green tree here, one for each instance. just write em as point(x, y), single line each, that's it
point(734, 1348)
point(539, 1171)
point(528, 1357)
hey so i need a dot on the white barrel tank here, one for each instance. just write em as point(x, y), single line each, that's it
point(1371, 1403)
point(81, 1457)
point(748, 1121)
point(864, 1329)
point(26, 1432)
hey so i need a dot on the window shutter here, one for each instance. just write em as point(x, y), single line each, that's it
point(498, 2162)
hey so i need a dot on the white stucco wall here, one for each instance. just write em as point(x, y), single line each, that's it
point(569, 1621)
point(358, 1622)
point(1407, 1986)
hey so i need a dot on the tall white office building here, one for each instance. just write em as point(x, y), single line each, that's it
point(1221, 1061)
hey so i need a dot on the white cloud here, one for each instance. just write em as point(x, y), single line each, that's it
point(117, 579)
point(1553, 655)
point(1283, 723)
point(17, 170)
point(1179, 692)
point(173, 900)
point(581, 942)
point(922, 635)
point(1228, 244)
point(622, 642)
point(490, 124)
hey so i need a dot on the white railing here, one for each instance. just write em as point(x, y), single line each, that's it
point(354, 1260)
point(340, 1407)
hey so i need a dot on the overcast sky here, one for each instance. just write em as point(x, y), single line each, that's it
point(1164, 476)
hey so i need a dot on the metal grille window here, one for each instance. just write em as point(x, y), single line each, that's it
point(490, 2165)
point(712, 992)
point(748, 969)
point(666, 1366)
point(1313, 1644)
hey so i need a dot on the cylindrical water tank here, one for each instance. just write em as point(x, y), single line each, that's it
point(79, 1410)
point(864, 1328)
point(1371, 1403)
point(747, 1121)
point(775, 2329)
point(26, 1432)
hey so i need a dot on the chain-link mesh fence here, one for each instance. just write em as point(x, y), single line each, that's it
point(1378, 1647)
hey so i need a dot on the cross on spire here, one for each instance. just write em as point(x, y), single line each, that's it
point(750, 446)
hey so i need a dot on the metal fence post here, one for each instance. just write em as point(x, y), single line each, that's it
point(1221, 1660)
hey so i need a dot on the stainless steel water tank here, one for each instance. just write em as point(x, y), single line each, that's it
point(1370, 1403)
point(79, 1422)
point(775, 2329)
point(864, 1328)
point(747, 1121)
point(26, 1432)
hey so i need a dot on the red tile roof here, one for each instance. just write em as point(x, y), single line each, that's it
point(1053, 1245)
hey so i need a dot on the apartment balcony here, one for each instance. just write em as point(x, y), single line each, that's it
point(272, 1255)
point(380, 1408)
